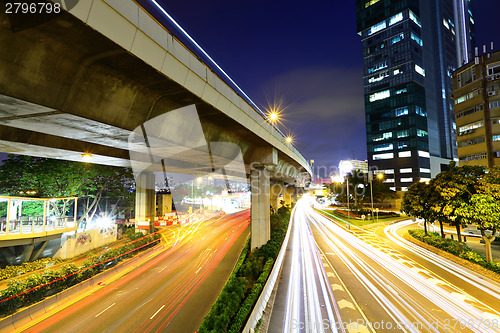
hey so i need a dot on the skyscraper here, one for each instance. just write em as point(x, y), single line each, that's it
point(410, 49)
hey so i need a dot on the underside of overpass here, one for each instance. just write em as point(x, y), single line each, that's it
point(66, 89)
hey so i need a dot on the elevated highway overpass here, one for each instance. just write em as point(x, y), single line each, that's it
point(106, 78)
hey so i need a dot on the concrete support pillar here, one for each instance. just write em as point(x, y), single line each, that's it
point(38, 250)
point(260, 211)
point(145, 200)
point(275, 189)
point(289, 195)
point(27, 251)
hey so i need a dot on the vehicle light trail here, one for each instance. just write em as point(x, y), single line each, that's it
point(310, 306)
point(407, 291)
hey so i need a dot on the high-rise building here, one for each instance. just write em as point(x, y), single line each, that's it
point(410, 49)
point(477, 110)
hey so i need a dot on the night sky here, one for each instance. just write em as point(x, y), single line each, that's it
point(306, 54)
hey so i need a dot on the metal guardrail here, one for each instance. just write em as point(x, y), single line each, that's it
point(39, 218)
point(265, 295)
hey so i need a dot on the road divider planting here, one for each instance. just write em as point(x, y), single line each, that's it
point(451, 246)
point(243, 288)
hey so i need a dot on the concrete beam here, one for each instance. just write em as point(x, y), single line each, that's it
point(27, 251)
point(260, 211)
point(264, 156)
point(38, 251)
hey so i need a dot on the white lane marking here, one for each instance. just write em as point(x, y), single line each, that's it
point(157, 311)
point(198, 270)
point(345, 304)
point(161, 270)
point(109, 307)
point(337, 287)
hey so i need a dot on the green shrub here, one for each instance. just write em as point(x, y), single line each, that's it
point(9, 272)
point(253, 267)
point(451, 246)
point(246, 308)
point(36, 287)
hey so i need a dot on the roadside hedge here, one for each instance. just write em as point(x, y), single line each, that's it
point(21, 293)
point(12, 271)
point(238, 297)
point(451, 246)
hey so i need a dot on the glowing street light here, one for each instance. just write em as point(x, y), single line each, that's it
point(87, 156)
point(289, 139)
point(273, 116)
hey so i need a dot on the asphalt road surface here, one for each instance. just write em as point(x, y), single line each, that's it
point(172, 292)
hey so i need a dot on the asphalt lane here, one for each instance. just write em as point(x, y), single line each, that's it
point(388, 289)
point(171, 293)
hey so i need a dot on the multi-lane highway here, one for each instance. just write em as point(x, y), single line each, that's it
point(170, 292)
point(383, 283)
point(304, 300)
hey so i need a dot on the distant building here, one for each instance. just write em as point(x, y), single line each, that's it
point(320, 181)
point(163, 203)
point(410, 49)
point(476, 92)
point(348, 166)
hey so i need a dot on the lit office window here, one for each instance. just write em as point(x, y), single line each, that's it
point(406, 180)
point(421, 133)
point(425, 170)
point(398, 38)
point(404, 154)
point(424, 154)
point(380, 95)
point(377, 28)
point(401, 111)
point(415, 19)
point(383, 147)
point(396, 18)
point(406, 170)
point(385, 156)
point(383, 136)
point(419, 70)
point(420, 111)
point(416, 39)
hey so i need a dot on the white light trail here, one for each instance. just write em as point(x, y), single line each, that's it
point(310, 305)
point(394, 284)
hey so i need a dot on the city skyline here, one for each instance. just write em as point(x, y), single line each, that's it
point(310, 58)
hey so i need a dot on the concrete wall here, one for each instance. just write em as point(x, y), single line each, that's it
point(73, 245)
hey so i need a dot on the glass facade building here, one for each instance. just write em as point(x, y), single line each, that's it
point(410, 50)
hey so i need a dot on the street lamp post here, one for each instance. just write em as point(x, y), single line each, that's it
point(312, 162)
point(348, 210)
point(370, 178)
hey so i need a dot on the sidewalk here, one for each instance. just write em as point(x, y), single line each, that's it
point(473, 242)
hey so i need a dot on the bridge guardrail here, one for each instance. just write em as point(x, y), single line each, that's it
point(265, 295)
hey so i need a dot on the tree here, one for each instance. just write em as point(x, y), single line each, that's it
point(416, 202)
point(59, 178)
point(359, 189)
point(484, 208)
point(454, 189)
